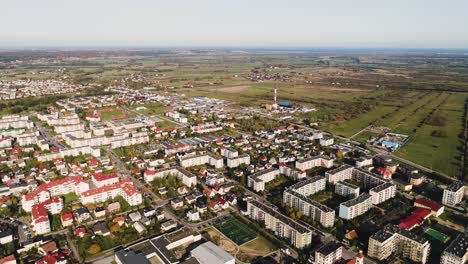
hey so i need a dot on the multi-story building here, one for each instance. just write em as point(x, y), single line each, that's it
point(197, 160)
point(457, 251)
point(368, 179)
point(40, 219)
point(454, 193)
point(229, 153)
point(125, 189)
point(54, 188)
point(310, 186)
point(363, 162)
point(54, 205)
point(392, 240)
point(299, 235)
point(382, 192)
point(347, 189)
point(317, 161)
point(344, 172)
point(355, 207)
point(317, 211)
point(187, 177)
point(101, 180)
point(329, 253)
point(237, 161)
point(257, 180)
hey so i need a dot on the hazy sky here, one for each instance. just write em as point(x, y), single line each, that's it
point(235, 23)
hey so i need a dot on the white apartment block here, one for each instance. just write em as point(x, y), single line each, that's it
point(328, 253)
point(188, 179)
point(454, 194)
point(258, 180)
point(292, 173)
point(197, 160)
point(317, 161)
point(74, 152)
point(40, 220)
point(457, 251)
point(317, 211)
point(363, 161)
point(229, 153)
point(125, 189)
point(135, 139)
point(298, 235)
point(391, 240)
point(382, 192)
point(326, 141)
point(237, 161)
point(310, 186)
point(355, 207)
point(339, 174)
point(69, 128)
point(54, 188)
point(347, 189)
point(15, 121)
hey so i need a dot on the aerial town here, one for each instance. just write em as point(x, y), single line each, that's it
point(124, 174)
point(234, 132)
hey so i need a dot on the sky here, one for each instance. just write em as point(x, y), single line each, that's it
point(235, 23)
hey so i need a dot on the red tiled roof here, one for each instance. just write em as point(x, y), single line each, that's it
point(126, 186)
point(428, 203)
point(103, 177)
point(46, 186)
point(66, 217)
point(39, 213)
point(416, 218)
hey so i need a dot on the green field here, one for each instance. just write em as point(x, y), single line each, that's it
point(438, 153)
point(437, 235)
point(238, 232)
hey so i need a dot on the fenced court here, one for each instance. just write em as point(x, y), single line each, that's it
point(236, 231)
point(437, 235)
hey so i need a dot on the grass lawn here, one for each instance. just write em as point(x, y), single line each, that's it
point(112, 114)
point(69, 198)
point(236, 231)
point(260, 244)
point(152, 108)
point(438, 153)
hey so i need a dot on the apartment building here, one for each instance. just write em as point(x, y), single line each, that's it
point(125, 189)
point(197, 160)
point(355, 207)
point(347, 189)
point(188, 179)
point(73, 152)
point(237, 161)
point(317, 211)
point(229, 153)
point(310, 186)
point(40, 219)
point(391, 240)
point(54, 188)
point(454, 194)
point(457, 251)
point(258, 180)
point(368, 179)
point(382, 192)
point(329, 253)
point(101, 180)
point(317, 161)
point(298, 235)
point(342, 173)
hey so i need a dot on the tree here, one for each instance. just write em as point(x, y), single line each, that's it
point(299, 214)
point(292, 215)
point(94, 249)
point(115, 228)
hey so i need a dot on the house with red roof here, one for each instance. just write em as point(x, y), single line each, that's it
point(436, 209)
point(55, 258)
point(79, 231)
point(67, 219)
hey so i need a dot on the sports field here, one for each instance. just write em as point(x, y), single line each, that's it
point(236, 231)
point(437, 235)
